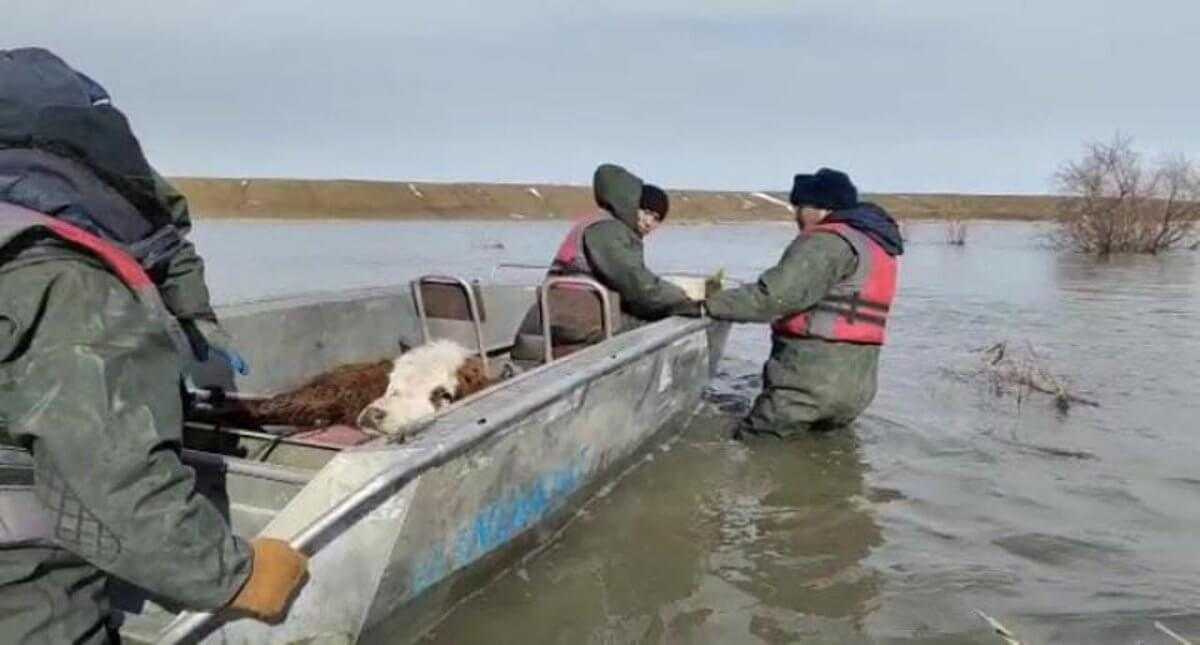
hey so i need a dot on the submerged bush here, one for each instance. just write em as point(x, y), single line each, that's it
point(1115, 204)
point(1021, 371)
point(956, 232)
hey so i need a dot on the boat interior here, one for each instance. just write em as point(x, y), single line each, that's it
point(482, 318)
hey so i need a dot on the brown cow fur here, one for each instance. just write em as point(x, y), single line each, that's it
point(472, 378)
point(339, 396)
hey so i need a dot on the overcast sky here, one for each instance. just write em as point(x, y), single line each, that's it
point(919, 96)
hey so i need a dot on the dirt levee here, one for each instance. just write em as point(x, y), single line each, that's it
point(323, 199)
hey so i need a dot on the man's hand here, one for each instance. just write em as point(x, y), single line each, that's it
point(690, 308)
point(208, 338)
point(277, 574)
point(715, 283)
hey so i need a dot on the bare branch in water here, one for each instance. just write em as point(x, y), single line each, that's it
point(1020, 373)
point(1164, 629)
point(956, 232)
point(1000, 630)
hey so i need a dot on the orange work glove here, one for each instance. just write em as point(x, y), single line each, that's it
point(277, 572)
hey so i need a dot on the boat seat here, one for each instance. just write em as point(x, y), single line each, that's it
point(449, 307)
point(527, 365)
point(580, 300)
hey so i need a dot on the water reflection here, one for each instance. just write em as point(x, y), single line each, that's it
point(715, 542)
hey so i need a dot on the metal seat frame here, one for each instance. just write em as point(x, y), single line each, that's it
point(472, 305)
point(606, 321)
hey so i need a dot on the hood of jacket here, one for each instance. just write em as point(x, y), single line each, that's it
point(619, 192)
point(47, 106)
point(873, 221)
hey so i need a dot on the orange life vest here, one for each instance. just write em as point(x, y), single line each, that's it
point(856, 309)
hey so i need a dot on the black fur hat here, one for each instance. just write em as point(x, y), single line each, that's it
point(829, 189)
point(655, 200)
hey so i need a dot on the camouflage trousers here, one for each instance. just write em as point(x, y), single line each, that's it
point(810, 384)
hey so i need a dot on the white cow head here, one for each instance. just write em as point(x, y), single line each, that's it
point(422, 381)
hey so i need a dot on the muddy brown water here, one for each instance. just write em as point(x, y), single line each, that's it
point(943, 499)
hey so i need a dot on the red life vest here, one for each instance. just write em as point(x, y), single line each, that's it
point(17, 220)
point(571, 258)
point(856, 309)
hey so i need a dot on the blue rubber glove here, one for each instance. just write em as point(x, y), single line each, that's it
point(234, 359)
point(209, 338)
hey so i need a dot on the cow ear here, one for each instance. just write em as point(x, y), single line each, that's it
point(468, 378)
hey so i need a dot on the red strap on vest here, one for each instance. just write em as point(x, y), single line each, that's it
point(127, 269)
point(570, 257)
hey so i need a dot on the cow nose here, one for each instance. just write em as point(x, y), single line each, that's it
point(371, 418)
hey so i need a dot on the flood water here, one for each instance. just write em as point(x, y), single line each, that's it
point(943, 499)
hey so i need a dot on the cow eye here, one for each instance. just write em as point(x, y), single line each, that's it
point(440, 397)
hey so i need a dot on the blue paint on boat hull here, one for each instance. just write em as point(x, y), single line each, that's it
point(499, 523)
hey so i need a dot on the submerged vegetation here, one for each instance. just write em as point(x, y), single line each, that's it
point(956, 232)
point(1022, 371)
point(1117, 204)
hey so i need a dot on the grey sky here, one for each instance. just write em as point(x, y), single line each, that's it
point(940, 95)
